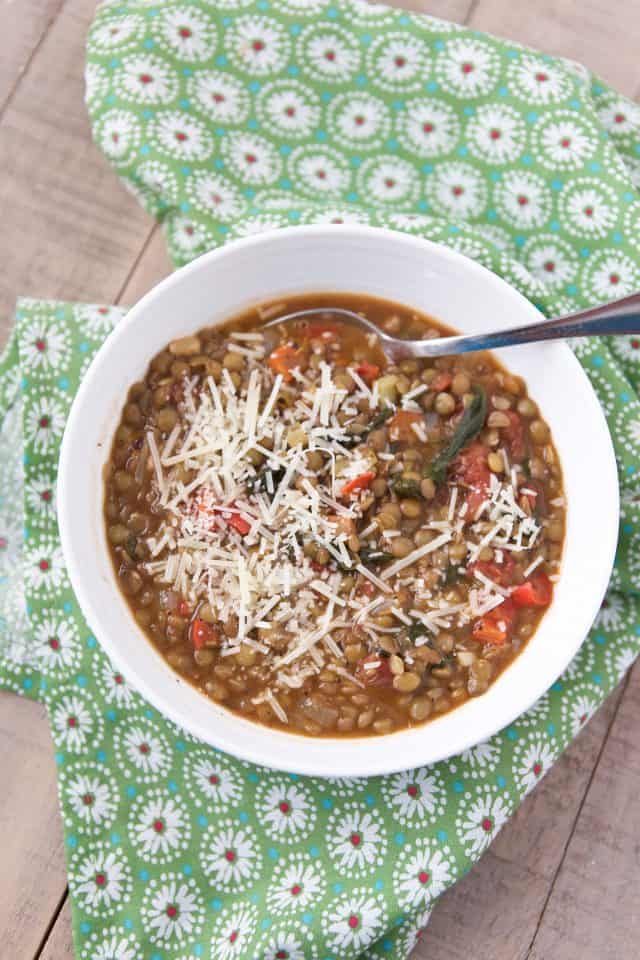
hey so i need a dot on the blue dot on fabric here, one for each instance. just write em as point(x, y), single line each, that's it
point(144, 875)
point(84, 347)
point(187, 71)
point(181, 746)
point(91, 641)
point(423, 205)
point(63, 383)
point(458, 786)
point(575, 104)
point(327, 803)
point(114, 63)
point(399, 839)
point(532, 117)
point(512, 734)
point(554, 225)
point(432, 86)
point(631, 469)
point(628, 528)
point(85, 927)
point(101, 756)
point(520, 241)
point(492, 215)
point(628, 196)
point(378, 885)
point(221, 61)
point(255, 86)
point(252, 777)
point(314, 852)
point(149, 714)
point(398, 105)
point(503, 91)
point(551, 729)
point(131, 791)
point(353, 197)
point(442, 836)
point(81, 680)
point(197, 949)
point(625, 397)
point(295, 29)
point(387, 946)
point(557, 185)
point(266, 923)
point(601, 640)
point(149, 44)
point(307, 918)
point(285, 184)
point(333, 13)
point(187, 869)
point(595, 167)
point(294, 215)
point(59, 757)
point(500, 780)
point(115, 838)
point(112, 715)
point(495, 175)
point(365, 38)
point(557, 686)
point(597, 361)
point(453, 230)
point(326, 96)
point(427, 168)
point(202, 820)
point(72, 842)
point(338, 888)
point(370, 800)
point(293, 71)
point(172, 786)
point(156, 956)
point(273, 853)
point(27, 683)
point(145, 149)
point(216, 904)
point(617, 237)
point(597, 679)
point(321, 135)
point(463, 151)
point(469, 111)
point(392, 144)
point(255, 898)
point(513, 54)
point(438, 45)
point(243, 816)
point(285, 149)
point(147, 114)
point(252, 124)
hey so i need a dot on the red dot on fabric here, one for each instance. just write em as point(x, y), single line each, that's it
point(541, 77)
point(41, 345)
point(423, 876)
point(356, 839)
point(72, 722)
point(354, 922)
point(549, 266)
point(614, 279)
point(400, 61)
point(522, 200)
point(296, 889)
point(185, 32)
point(158, 826)
point(230, 856)
point(44, 565)
point(101, 879)
point(172, 911)
point(467, 67)
point(43, 421)
point(233, 936)
point(54, 643)
point(214, 779)
point(487, 824)
point(537, 769)
point(284, 806)
point(87, 799)
point(258, 45)
point(412, 790)
point(145, 78)
point(495, 134)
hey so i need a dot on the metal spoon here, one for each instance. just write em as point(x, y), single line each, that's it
point(619, 316)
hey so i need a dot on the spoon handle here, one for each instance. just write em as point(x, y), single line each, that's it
point(619, 316)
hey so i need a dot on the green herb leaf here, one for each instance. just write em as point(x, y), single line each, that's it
point(378, 421)
point(470, 425)
point(372, 556)
point(260, 482)
point(451, 575)
point(406, 488)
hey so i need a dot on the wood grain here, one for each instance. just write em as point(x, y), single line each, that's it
point(602, 35)
point(59, 943)
point(24, 24)
point(69, 228)
point(33, 876)
point(593, 906)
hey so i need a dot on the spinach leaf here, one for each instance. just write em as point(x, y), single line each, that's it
point(378, 421)
point(470, 425)
point(369, 556)
point(406, 488)
point(260, 482)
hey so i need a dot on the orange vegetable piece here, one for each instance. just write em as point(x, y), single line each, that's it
point(368, 371)
point(494, 628)
point(442, 382)
point(358, 483)
point(400, 425)
point(203, 633)
point(284, 359)
point(535, 592)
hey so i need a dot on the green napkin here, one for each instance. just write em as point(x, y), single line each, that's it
point(229, 117)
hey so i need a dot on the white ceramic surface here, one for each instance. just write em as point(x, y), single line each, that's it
point(427, 277)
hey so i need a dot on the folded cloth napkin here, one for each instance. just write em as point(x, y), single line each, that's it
point(229, 117)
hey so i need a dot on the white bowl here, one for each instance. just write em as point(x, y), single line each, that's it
point(427, 277)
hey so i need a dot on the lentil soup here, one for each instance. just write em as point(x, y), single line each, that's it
point(326, 542)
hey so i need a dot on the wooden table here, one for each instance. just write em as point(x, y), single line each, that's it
point(561, 880)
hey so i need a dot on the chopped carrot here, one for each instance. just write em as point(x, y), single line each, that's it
point(358, 483)
point(400, 425)
point(284, 359)
point(441, 382)
point(494, 628)
point(368, 371)
point(203, 634)
point(535, 592)
point(238, 523)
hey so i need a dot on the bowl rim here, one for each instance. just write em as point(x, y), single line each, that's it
point(385, 761)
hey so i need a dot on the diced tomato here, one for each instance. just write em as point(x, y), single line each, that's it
point(284, 359)
point(495, 627)
point(537, 591)
point(203, 634)
point(374, 671)
point(515, 437)
point(472, 469)
point(319, 328)
point(368, 371)
point(500, 573)
point(400, 425)
point(441, 382)
point(358, 483)
point(238, 523)
point(184, 609)
point(532, 491)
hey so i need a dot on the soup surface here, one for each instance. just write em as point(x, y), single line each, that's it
point(322, 540)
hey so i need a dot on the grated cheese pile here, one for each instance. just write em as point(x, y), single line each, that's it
point(240, 503)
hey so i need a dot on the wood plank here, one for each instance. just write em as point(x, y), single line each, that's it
point(33, 876)
point(585, 30)
point(59, 945)
point(152, 266)
point(593, 908)
point(24, 24)
point(493, 912)
point(69, 228)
